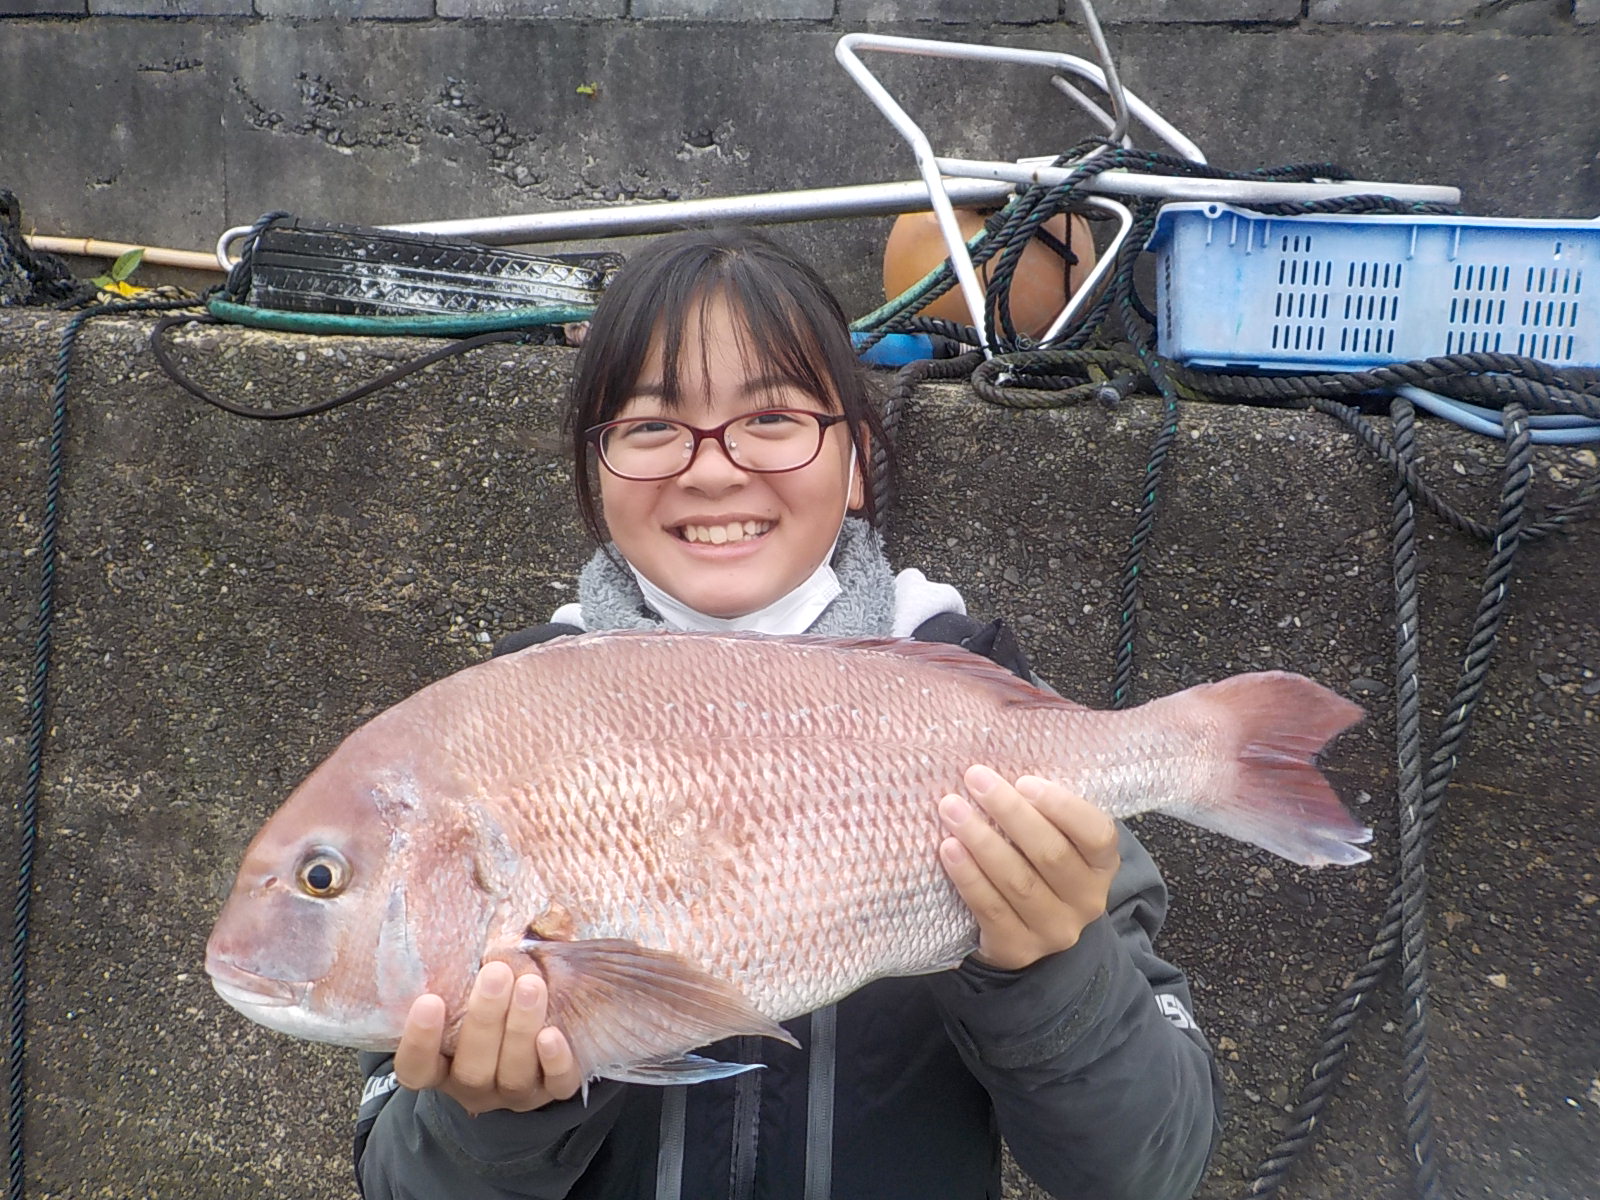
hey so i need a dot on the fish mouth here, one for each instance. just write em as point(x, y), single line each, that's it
point(240, 987)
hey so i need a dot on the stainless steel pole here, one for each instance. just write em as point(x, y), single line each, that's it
point(620, 220)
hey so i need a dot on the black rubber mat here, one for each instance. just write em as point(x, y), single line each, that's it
point(373, 272)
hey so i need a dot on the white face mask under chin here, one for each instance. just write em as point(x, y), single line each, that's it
point(790, 613)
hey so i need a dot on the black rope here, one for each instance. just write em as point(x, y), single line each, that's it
point(1032, 380)
point(175, 373)
point(1585, 500)
point(1069, 371)
point(1417, 1087)
point(241, 274)
point(894, 405)
point(952, 331)
point(1493, 378)
point(38, 705)
point(33, 277)
point(1323, 1072)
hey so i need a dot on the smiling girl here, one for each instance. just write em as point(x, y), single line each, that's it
point(720, 422)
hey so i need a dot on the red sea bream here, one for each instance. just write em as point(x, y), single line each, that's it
point(693, 836)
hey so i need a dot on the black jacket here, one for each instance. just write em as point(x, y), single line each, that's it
point(1088, 1063)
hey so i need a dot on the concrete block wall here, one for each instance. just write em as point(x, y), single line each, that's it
point(235, 596)
point(945, 12)
point(974, 12)
point(164, 122)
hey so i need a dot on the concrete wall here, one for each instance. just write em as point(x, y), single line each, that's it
point(168, 121)
point(235, 596)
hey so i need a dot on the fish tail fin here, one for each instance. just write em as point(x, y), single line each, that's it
point(1270, 792)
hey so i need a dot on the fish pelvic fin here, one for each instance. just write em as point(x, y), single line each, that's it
point(624, 1006)
point(688, 1068)
point(1272, 793)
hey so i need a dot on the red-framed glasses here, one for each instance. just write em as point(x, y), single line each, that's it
point(769, 441)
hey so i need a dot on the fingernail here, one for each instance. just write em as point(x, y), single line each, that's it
point(527, 992)
point(981, 780)
point(427, 1016)
point(954, 809)
point(492, 983)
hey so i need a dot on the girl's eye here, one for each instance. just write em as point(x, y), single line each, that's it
point(646, 433)
point(788, 428)
point(323, 873)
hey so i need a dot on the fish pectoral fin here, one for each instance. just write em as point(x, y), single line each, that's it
point(688, 1068)
point(621, 1004)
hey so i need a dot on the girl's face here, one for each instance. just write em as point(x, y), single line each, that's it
point(721, 539)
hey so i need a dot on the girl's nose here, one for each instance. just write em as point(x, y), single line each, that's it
point(711, 468)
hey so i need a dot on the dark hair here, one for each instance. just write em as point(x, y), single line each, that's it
point(790, 317)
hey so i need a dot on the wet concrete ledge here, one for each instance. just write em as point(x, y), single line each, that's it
point(234, 596)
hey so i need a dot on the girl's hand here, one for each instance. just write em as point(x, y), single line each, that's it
point(1035, 876)
point(506, 1056)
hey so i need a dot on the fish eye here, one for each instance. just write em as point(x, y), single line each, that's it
point(323, 873)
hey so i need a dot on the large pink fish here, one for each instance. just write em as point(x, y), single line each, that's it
point(693, 836)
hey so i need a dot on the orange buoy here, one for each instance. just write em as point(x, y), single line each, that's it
point(1039, 289)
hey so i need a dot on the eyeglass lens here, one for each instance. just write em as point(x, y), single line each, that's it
point(656, 447)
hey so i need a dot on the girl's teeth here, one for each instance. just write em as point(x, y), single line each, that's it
point(719, 535)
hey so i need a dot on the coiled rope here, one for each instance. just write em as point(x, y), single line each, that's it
point(1103, 360)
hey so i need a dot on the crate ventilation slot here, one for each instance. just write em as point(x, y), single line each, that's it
point(1371, 307)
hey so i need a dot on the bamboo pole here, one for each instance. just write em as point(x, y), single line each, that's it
point(159, 256)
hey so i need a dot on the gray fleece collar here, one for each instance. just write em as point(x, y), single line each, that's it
point(610, 598)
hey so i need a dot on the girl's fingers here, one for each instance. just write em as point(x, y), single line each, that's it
point(1036, 875)
point(561, 1075)
point(477, 1057)
point(519, 1071)
point(418, 1062)
point(1091, 831)
point(992, 910)
point(1042, 864)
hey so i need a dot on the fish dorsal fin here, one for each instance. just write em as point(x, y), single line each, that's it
point(621, 1004)
point(1008, 688)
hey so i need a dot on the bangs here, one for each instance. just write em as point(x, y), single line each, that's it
point(781, 331)
point(771, 338)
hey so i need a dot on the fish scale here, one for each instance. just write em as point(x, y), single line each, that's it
point(693, 836)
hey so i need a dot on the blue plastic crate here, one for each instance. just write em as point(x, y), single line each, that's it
point(1237, 289)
